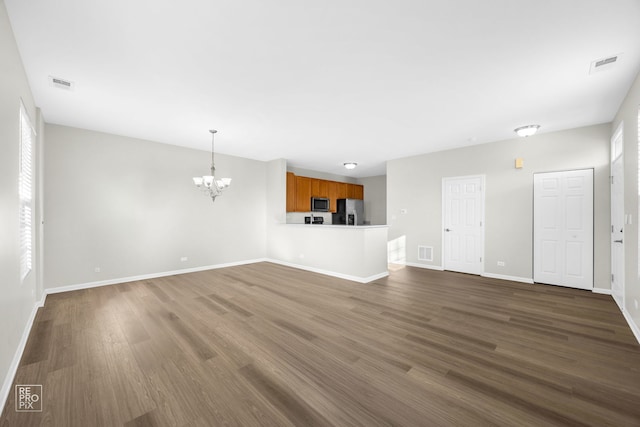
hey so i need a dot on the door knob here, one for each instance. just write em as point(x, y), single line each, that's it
point(617, 241)
point(447, 230)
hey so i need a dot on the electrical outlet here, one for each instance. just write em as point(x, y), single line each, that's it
point(635, 302)
point(500, 263)
point(184, 258)
point(97, 269)
point(403, 211)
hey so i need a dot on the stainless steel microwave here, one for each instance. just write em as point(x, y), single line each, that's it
point(319, 204)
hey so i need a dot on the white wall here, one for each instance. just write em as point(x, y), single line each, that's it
point(17, 299)
point(375, 199)
point(129, 207)
point(276, 192)
point(628, 114)
point(415, 184)
point(353, 253)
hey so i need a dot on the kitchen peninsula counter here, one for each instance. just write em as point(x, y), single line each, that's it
point(338, 226)
point(353, 252)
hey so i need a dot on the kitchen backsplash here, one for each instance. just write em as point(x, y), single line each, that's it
point(298, 217)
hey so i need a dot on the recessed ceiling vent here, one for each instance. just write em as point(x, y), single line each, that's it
point(603, 63)
point(61, 83)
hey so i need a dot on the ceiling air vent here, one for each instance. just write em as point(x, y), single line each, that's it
point(603, 64)
point(61, 83)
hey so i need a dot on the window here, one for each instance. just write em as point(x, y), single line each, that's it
point(638, 188)
point(25, 191)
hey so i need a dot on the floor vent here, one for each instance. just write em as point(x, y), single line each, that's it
point(425, 253)
point(603, 64)
point(61, 83)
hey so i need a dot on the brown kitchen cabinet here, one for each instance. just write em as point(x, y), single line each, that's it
point(332, 194)
point(303, 194)
point(291, 192)
point(300, 190)
point(355, 191)
point(343, 192)
point(319, 188)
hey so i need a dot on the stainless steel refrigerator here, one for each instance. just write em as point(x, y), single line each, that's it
point(349, 212)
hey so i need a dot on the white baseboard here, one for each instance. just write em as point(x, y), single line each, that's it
point(96, 284)
point(601, 291)
point(331, 273)
point(148, 276)
point(510, 278)
point(634, 327)
point(15, 362)
point(427, 266)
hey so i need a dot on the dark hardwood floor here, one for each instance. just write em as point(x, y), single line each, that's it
point(268, 345)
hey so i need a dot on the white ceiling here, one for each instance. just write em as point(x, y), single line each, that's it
point(320, 83)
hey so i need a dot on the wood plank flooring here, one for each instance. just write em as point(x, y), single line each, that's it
point(267, 345)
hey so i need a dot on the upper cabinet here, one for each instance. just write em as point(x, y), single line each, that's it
point(319, 188)
point(303, 194)
point(343, 192)
point(332, 194)
point(300, 190)
point(355, 191)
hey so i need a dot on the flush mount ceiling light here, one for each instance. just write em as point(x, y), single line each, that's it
point(208, 183)
point(527, 130)
point(350, 165)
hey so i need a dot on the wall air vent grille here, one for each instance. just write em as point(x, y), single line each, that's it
point(425, 253)
point(61, 83)
point(603, 63)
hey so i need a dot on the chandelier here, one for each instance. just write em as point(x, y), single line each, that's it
point(208, 183)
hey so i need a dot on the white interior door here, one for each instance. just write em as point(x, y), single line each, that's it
point(617, 218)
point(463, 216)
point(563, 228)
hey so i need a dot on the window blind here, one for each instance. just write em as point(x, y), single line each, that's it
point(25, 191)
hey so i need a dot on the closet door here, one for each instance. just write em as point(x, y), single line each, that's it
point(563, 228)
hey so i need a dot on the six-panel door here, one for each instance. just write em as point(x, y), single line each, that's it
point(563, 228)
